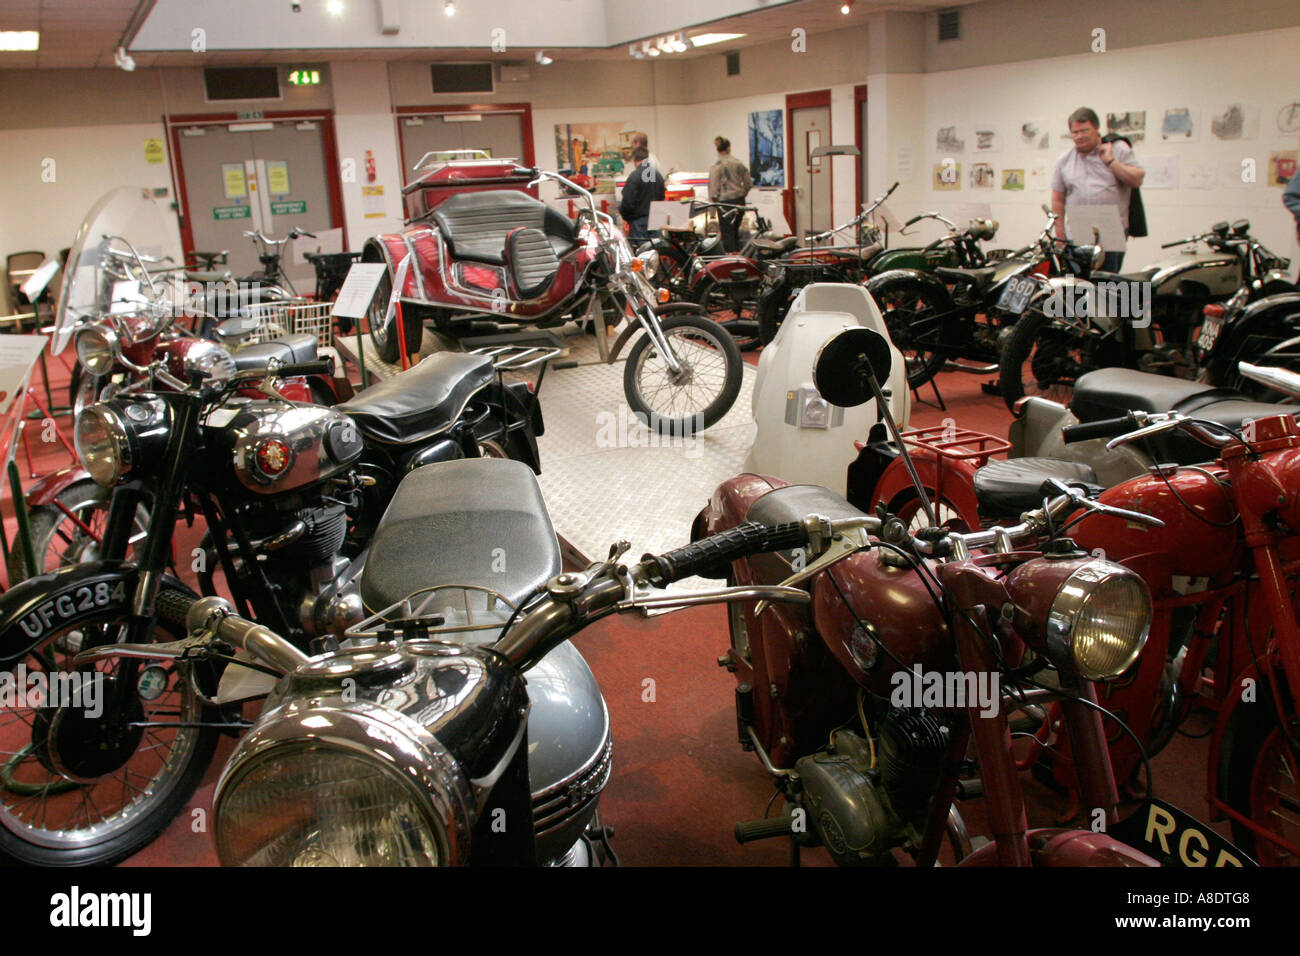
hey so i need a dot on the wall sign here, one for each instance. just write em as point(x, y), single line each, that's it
point(231, 212)
point(233, 182)
point(296, 208)
point(153, 151)
point(277, 177)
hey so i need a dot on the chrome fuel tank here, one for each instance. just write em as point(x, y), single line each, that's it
point(278, 447)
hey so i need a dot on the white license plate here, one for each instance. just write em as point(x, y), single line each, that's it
point(1210, 330)
point(1015, 297)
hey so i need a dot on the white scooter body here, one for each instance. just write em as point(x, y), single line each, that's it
point(802, 437)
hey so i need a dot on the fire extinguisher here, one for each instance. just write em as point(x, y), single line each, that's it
point(371, 175)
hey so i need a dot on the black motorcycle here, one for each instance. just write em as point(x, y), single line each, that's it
point(291, 494)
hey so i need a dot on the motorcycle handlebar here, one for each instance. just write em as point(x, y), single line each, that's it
point(721, 549)
point(324, 366)
point(1106, 428)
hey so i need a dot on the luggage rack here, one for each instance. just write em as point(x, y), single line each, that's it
point(293, 317)
point(957, 444)
point(416, 617)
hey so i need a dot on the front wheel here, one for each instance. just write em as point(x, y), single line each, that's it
point(383, 329)
point(1042, 358)
point(1262, 782)
point(70, 530)
point(910, 311)
point(700, 393)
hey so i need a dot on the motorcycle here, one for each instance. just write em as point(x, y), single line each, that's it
point(1147, 320)
point(829, 697)
point(506, 256)
point(933, 325)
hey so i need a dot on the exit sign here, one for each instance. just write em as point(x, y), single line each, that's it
point(304, 77)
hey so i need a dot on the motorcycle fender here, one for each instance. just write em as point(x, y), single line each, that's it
point(887, 281)
point(727, 269)
point(634, 326)
point(874, 459)
point(33, 608)
point(1273, 316)
point(954, 482)
point(1221, 742)
point(391, 249)
point(1049, 846)
point(51, 486)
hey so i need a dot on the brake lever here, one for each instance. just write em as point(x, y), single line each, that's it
point(844, 543)
point(1081, 499)
point(1153, 429)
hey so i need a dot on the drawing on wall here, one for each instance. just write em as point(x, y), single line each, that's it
point(947, 175)
point(1013, 179)
point(1201, 176)
point(981, 176)
point(1281, 166)
point(1132, 125)
point(986, 139)
point(592, 149)
point(766, 148)
point(1231, 175)
point(1034, 134)
point(948, 140)
point(1178, 126)
point(1038, 176)
point(1162, 172)
point(1234, 121)
point(1288, 118)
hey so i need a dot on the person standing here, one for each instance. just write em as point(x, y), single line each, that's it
point(729, 184)
point(1291, 199)
point(1093, 173)
point(644, 186)
point(637, 139)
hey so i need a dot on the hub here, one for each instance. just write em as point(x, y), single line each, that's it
point(75, 745)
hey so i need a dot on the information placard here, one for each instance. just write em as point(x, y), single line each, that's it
point(359, 289)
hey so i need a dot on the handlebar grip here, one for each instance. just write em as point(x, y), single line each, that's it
point(323, 366)
point(1106, 428)
point(173, 606)
point(719, 550)
point(912, 220)
point(890, 191)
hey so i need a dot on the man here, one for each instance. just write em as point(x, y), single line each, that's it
point(644, 186)
point(729, 184)
point(637, 139)
point(1093, 173)
point(1291, 199)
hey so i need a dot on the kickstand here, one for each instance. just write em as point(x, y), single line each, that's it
point(794, 850)
point(937, 397)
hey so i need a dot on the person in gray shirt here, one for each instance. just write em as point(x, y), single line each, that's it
point(1291, 199)
point(1093, 173)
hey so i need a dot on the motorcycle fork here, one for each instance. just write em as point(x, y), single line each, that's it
point(1092, 766)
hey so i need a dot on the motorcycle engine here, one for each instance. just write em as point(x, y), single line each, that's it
point(860, 810)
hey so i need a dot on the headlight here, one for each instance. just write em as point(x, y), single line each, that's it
point(209, 359)
point(97, 349)
point(101, 441)
point(324, 785)
point(650, 261)
point(1099, 620)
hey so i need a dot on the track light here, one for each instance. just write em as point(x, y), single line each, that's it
point(846, 7)
point(123, 60)
point(543, 59)
point(449, 8)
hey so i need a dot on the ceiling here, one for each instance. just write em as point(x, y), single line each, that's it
point(81, 34)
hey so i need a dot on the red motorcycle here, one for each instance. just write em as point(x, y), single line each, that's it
point(866, 707)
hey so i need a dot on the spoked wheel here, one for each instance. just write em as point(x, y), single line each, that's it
point(700, 393)
point(908, 311)
point(906, 506)
point(383, 330)
point(94, 767)
point(1041, 358)
point(1263, 783)
point(71, 530)
point(734, 306)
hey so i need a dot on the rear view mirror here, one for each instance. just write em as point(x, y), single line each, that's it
point(1241, 227)
point(847, 363)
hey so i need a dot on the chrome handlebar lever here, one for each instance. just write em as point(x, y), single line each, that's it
point(1077, 496)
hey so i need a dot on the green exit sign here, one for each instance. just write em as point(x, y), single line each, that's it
point(304, 77)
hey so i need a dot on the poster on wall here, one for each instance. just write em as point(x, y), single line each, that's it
point(232, 180)
point(948, 140)
point(372, 202)
point(986, 139)
point(1039, 176)
point(1201, 176)
point(1281, 166)
point(981, 176)
point(1034, 134)
point(947, 175)
point(1178, 126)
point(1013, 179)
point(1288, 118)
point(153, 151)
point(1132, 125)
point(1162, 172)
point(277, 177)
point(1234, 121)
point(593, 149)
point(766, 148)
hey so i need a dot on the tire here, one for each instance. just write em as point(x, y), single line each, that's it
point(706, 340)
point(45, 818)
point(57, 540)
point(906, 506)
point(734, 307)
point(1258, 772)
point(773, 306)
point(384, 334)
point(902, 305)
point(1040, 359)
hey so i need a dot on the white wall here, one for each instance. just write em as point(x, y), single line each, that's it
point(363, 122)
point(1259, 69)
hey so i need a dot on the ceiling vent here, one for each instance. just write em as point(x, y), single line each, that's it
point(733, 63)
point(949, 25)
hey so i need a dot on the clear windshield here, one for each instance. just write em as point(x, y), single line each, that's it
point(126, 218)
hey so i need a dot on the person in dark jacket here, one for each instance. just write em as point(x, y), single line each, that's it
point(644, 186)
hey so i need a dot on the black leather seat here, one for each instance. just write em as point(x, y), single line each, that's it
point(775, 247)
point(979, 277)
point(422, 401)
point(446, 524)
point(1006, 489)
point(286, 349)
point(475, 225)
point(1112, 392)
point(532, 261)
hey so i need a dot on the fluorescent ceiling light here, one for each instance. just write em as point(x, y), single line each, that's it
point(250, 127)
point(14, 41)
point(335, 7)
point(705, 39)
point(462, 117)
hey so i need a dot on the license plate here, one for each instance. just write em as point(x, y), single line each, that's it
point(1210, 330)
point(1176, 838)
point(1015, 297)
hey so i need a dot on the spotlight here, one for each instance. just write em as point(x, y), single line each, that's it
point(846, 7)
point(122, 60)
point(335, 7)
point(543, 59)
point(449, 8)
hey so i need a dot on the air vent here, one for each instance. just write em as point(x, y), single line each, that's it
point(242, 83)
point(949, 25)
point(733, 63)
point(462, 77)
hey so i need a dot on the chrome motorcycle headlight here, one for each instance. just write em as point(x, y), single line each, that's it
point(1099, 620)
point(650, 263)
point(324, 784)
point(97, 349)
point(210, 360)
point(102, 444)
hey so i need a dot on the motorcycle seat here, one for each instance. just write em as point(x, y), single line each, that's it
point(421, 402)
point(979, 277)
point(447, 525)
point(1006, 489)
point(475, 225)
point(532, 261)
point(775, 247)
point(1114, 392)
point(287, 348)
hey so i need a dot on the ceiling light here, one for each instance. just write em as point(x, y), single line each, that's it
point(123, 60)
point(705, 39)
point(449, 8)
point(19, 40)
point(846, 7)
point(335, 7)
point(543, 59)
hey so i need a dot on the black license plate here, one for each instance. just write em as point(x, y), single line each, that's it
point(1176, 838)
point(1015, 296)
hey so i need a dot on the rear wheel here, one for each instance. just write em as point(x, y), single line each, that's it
point(699, 394)
point(383, 329)
point(906, 506)
point(1262, 782)
point(733, 305)
point(908, 309)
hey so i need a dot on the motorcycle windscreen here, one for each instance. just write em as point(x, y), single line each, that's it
point(125, 218)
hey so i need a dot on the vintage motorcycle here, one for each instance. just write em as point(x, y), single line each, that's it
point(1257, 325)
point(869, 771)
point(503, 256)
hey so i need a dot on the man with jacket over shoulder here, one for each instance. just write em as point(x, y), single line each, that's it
point(1094, 173)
